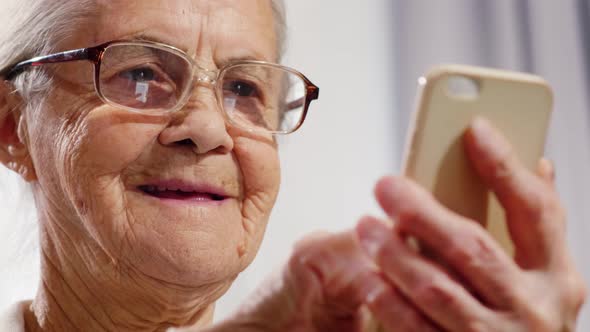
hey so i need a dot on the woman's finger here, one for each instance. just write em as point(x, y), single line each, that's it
point(335, 262)
point(427, 286)
point(546, 171)
point(333, 269)
point(390, 309)
point(463, 244)
point(532, 208)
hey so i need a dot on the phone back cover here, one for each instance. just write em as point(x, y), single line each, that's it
point(519, 105)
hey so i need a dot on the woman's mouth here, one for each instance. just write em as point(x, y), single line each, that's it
point(180, 191)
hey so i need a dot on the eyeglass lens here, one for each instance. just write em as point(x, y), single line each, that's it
point(154, 80)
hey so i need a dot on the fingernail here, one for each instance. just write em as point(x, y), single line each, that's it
point(487, 138)
point(547, 169)
point(16, 152)
point(372, 287)
point(481, 128)
point(372, 237)
point(375, 290)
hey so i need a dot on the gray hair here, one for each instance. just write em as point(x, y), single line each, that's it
point(33, 27)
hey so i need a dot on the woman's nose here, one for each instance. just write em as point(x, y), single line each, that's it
point(201, 124)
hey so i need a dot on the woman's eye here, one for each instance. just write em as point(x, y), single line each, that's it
point(241, 89)
point(143, 74)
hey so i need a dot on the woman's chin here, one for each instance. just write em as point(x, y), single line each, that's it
point(188, 243)
point(184, 262)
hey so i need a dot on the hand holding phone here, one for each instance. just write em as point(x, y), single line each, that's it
point(461, 278)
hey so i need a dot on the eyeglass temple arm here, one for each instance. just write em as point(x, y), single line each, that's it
point(92, 54)
point(313, 93)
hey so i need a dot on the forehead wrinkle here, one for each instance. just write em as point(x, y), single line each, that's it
point(255, 43)
point(121, 19)
point(230, 32)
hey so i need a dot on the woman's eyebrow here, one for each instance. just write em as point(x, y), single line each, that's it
point(247, 57)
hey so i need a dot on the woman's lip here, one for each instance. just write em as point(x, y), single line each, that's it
point(184, 187)
point(180, 196)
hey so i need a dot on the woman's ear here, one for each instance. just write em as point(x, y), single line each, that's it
point(14, 148)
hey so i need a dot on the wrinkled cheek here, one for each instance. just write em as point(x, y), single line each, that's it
point(102, 210)
point(112, 143)
point(93, 156)
point(259, 164)
point(54, 151)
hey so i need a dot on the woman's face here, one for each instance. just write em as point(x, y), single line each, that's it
point(184, 197)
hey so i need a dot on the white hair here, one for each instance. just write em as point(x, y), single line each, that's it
point(32, 28)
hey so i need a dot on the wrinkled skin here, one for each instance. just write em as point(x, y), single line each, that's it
point(332, 280)
point(116, 260)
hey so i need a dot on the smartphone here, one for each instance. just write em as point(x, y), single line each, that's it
point(449, 97)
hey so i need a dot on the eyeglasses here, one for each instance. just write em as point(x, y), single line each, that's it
point(155, 79)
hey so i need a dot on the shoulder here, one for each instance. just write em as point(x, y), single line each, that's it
point(12, 318)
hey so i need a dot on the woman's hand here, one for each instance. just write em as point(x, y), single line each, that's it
point(321, 288)
point(480, 288)
point(475, 286)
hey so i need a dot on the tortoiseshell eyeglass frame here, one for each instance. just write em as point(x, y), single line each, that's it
point(95, 55)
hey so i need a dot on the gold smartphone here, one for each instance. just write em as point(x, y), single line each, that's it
point(449, 97)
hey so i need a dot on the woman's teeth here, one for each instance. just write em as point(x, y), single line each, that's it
point(172, 192)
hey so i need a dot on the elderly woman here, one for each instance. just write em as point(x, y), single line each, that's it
point(146, 130)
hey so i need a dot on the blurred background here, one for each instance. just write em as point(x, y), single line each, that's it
point(366, 57)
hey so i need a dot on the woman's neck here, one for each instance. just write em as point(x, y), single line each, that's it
point(82, 289)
